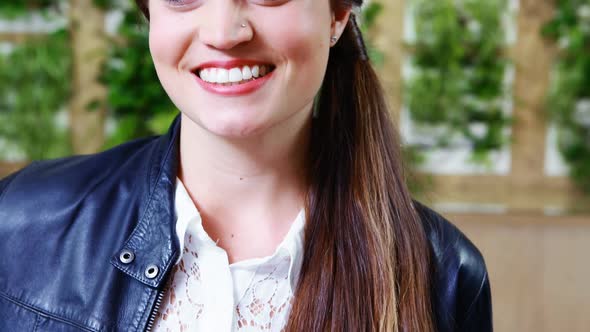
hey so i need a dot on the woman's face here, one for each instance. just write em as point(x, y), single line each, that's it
point(197, 45)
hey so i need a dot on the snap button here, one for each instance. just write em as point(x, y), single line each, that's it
point(127, 256)
point(151, 271)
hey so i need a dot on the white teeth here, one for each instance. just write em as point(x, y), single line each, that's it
point(212, 75)
point(233, 75)
point(222, 75)
point(206, 75)
point(246, 73)
point(255, 71)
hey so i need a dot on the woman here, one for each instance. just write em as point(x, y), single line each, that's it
point(276, 201)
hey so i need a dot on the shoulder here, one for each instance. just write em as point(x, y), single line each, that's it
point(449, 244)
point(69, 215)
point(461, 288)
point(70, 176)
point(50, 195)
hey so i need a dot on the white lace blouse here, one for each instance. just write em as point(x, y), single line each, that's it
point(208, 294)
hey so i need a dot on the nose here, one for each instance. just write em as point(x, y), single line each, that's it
point(224, 25)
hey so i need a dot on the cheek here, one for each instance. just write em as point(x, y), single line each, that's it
point(301, 39)
point(167, 41)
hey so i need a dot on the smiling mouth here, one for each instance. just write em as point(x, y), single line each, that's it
point(233, 76)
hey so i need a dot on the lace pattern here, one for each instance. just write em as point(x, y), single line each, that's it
point(181, 309)
point(267, 300)
point(263, 307)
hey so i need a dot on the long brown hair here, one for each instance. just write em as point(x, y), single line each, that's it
point(366, 264)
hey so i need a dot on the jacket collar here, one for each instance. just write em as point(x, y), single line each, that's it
point(152, 248)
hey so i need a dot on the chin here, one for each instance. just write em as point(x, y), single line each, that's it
point(235, 128)
point(224, 122)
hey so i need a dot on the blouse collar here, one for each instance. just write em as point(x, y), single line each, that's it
point(291, 246)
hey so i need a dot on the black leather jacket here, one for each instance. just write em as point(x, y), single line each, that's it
point(66, 224)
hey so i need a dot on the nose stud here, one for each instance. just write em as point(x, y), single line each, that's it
point(243, 25)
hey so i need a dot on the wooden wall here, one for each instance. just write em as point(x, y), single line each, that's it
point(89, 50)
point(538, 268)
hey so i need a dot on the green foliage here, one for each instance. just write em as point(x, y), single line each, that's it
point(34, 86)
point(14, 8)
point(105, 4)
point(136, 99)
point(458, 72)
point(368, 18)
point(569, 100)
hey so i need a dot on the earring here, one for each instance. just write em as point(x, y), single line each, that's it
point(334, 39)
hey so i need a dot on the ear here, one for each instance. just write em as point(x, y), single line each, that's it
point(339, 20)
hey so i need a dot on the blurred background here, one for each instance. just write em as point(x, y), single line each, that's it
point(492, 98)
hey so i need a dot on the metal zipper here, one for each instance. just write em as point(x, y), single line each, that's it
point(155, 310)
point(159, 297)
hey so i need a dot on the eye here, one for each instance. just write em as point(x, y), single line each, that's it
point(180, 3)
point(270, 2)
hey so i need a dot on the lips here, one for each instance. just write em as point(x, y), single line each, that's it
point(235, 77)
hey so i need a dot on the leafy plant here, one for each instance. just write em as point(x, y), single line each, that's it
point(15, 8)
point(368, 18)
point(458, 66)
point(34, 86)
point(135, 99)
point(568, 103)
point(105, 4)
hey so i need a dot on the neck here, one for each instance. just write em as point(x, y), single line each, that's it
point(261, 177)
